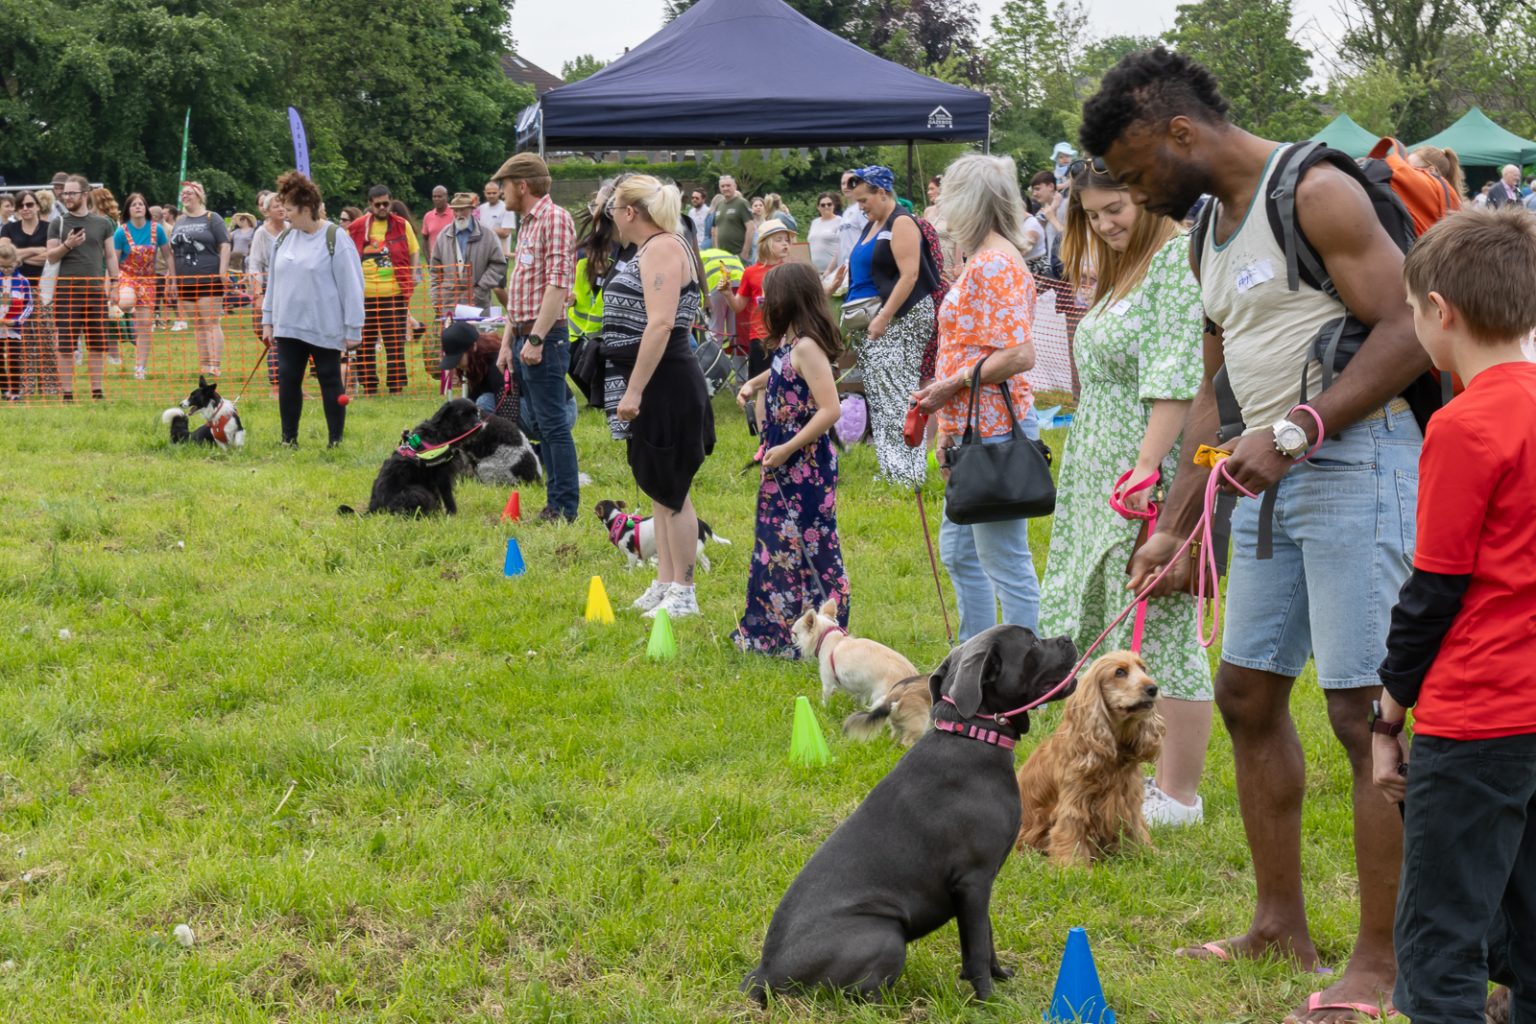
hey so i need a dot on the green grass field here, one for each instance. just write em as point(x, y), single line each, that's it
point(381, 782)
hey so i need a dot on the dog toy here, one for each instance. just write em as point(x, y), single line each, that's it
point(184, 936)
point(1208, 457)
point(343, 399)
point(1079, 996)
point(598, 608)
point(807, 746)
point(663, 645)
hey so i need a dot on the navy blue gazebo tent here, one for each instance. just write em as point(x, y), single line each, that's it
point(700, 83)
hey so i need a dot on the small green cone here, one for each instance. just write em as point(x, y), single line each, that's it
point(807, 747)
point(663, 645)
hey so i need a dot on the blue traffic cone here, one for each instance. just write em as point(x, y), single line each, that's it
point(514, 564)
point(1078, 997)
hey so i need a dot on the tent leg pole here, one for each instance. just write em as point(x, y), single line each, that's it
point(911, 189)
point(541, 135)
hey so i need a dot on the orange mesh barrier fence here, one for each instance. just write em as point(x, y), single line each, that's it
point(144, 343)
point(147, 345)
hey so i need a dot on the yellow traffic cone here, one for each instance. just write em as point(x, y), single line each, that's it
point(598, 608)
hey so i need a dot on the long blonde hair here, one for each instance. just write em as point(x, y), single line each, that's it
point(1444, 162)
point(1085, 256)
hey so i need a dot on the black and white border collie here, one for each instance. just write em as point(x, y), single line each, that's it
point(635, 535)
point(221, 425)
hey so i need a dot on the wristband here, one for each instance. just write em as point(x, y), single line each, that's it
point(1316, 418)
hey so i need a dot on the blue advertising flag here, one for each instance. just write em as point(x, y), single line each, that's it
point(300, 142)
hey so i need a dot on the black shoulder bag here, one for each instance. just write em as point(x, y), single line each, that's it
point(989, 483)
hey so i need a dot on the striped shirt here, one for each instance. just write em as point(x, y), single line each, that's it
point(546, 257)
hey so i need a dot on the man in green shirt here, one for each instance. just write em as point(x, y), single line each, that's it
point(733, 221)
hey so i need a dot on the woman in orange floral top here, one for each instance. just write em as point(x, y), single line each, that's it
point(986, 316)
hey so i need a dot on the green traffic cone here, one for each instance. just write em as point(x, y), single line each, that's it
point(807, 747)
point(663, 645)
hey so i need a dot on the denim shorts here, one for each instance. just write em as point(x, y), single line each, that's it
point(1343, 545)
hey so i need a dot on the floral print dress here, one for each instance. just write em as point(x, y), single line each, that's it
point(1130, 353)
point(797, 561)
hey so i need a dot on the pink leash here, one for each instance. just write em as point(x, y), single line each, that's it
point(1205, 575)
point(1117, 498)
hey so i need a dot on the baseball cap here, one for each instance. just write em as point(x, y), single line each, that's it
point(458, 338)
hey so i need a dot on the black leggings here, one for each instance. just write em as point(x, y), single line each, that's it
point(293, 356)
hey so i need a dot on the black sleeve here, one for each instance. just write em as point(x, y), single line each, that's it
point(1426, 607)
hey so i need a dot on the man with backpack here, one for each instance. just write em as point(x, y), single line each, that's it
point(1291, 281)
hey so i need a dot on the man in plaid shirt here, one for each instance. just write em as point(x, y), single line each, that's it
point(539, 277)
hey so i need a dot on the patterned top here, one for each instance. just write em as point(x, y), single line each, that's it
point(546, 256)
point(624, 316)
point(987, 309)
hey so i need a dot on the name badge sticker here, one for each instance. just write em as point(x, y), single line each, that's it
point(1253, 275)
point(1121, 308)
point(884, 236)
point(525, 258)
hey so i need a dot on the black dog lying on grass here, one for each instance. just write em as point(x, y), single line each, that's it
point(928, 841)
point(417, 478)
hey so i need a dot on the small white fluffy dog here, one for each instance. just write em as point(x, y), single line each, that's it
point(862, 668)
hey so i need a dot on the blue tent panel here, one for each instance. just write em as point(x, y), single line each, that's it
point(698, 83)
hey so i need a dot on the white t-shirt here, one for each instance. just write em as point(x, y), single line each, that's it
point(823, 238)
point(496, 215)
point(1034, 237)
point(698, 215)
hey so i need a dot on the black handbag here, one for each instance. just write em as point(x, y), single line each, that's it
point(989, 483)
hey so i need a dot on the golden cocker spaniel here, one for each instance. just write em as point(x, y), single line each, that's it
point(1082, 788)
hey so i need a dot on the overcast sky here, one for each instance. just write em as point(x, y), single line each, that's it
point(550, 32)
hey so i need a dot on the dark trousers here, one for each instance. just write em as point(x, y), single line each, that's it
point(1466, 905)
point(293, 356)
point(385, 320)
point(80, 307)
point(548, 412)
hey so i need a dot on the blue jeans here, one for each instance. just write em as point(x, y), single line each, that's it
point(1343, 545)
point(548, 411)
point(486, 400)
point(990, 563)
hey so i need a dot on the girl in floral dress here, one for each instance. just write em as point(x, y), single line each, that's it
point(797, 562)
point(1139, 359)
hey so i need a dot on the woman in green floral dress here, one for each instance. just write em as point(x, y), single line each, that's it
point(1139, 359)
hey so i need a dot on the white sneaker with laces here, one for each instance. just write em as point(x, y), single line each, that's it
point(179, 325)
point(1161, 809)
point(680, 603)
point(653, 596)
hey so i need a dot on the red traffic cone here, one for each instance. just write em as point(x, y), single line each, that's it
point(514, 511)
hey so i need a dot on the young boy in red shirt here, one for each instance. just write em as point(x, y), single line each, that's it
point(1462, 647)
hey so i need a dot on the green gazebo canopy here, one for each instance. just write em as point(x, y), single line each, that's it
point(1479, 142)
point(1345, 134)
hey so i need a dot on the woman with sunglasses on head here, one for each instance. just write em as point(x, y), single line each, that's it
point(655, 391)
point(822, 235)
point(201, 247)
point(1139, 357)
point(138, 240)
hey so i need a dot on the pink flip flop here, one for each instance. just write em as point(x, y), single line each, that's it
point(1366, 1011)
point(1222, 953)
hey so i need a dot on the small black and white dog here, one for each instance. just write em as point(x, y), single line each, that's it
point(222, 426)
point(635, 535)
point(417, 478)
point(500, 455)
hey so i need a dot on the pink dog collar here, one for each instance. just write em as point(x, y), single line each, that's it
point(975, 732)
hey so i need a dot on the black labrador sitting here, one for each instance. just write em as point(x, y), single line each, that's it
point(927, 842)
point(417, 478)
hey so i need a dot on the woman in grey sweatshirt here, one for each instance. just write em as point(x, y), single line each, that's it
point(313, 307)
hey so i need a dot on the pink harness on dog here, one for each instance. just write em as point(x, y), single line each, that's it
point(975, 732)
point(617, 525)
point(831, 655)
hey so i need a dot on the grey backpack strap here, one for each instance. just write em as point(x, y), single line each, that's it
point(1227, 409)
point(278, 242)
point(1283, 194)
point(330, 239)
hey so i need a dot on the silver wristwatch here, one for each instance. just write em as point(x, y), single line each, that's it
point(1290, 439)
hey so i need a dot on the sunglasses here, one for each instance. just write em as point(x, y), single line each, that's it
point(1077, 167)
point(381, 206)
point(823, 204)
point(27, 206)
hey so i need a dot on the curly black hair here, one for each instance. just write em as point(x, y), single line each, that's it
point(1152, 85)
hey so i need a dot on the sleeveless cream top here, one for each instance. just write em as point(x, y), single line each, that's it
point(1267, 330)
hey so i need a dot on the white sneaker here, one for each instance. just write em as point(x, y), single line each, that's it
point(680, 603)
point(1161, 809)
point(139, 373)
point(179, 325)
point(114, 360)
point(653, 596)
point(79, 354)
